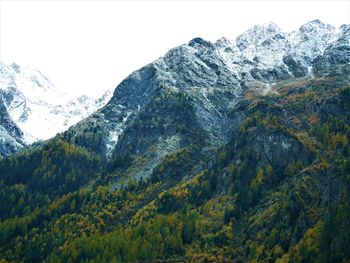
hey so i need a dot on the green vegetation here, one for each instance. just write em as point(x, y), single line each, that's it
point(277, 191)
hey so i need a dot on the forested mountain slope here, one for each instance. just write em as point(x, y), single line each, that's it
point(188, 161)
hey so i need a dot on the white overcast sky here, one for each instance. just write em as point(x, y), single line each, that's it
point(90, 46)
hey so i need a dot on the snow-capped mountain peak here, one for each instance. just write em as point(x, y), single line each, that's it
point(223, 43)
point(216, 75)
point(316, 27)
point(39, 108)
point(256, 35)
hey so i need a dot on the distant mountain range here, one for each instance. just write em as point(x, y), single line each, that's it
point(37, 108)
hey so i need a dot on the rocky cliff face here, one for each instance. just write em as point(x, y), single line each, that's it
point(336, 53)
point(11, 137)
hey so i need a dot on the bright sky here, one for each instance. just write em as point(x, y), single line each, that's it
point(90, 46)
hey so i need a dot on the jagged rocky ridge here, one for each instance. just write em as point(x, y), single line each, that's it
point(37, 107)
point(215, 76)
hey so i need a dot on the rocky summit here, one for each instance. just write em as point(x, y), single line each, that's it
point(233, 151)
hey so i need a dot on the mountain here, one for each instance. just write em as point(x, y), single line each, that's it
point(216, 76)
point(37, 107)
point(11, 139)
point(233, 151)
